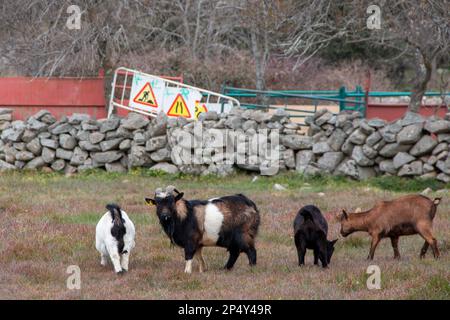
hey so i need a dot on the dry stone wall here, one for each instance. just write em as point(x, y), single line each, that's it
point(343, 144)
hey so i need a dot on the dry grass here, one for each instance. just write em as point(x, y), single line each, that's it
point(48, 223)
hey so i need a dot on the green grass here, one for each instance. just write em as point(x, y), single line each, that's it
point(436, 287)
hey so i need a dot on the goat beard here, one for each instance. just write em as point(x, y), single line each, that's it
point(169, 228)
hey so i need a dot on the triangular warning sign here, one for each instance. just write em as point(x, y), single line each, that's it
point(179, 108)
point(199, 109)
point(146, 96)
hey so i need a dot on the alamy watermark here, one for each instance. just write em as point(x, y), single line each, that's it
point(373, 22)
point(374, 280)
point(73, 281)
point(74, 20)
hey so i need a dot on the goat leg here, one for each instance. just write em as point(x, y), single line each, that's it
point(394, 242)
point(373, 246)
point(424, 250)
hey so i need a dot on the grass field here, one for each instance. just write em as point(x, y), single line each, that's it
point(48, 223)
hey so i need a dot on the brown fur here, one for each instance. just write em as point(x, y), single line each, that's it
point(181, 209)
point(407, 215)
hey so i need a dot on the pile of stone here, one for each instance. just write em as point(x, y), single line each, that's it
point(346, 144)
point(77, 142)
point(266, 143)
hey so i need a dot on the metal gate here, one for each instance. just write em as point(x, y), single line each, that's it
point(149, 94)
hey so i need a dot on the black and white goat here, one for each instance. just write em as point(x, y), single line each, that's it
point(231, 222)
point(114, 238)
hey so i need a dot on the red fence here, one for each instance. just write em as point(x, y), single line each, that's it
point(61, 96)
point(392, 112)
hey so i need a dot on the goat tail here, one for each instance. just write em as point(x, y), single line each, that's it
point(433, 210)
point(116, 213)
point(437, 201)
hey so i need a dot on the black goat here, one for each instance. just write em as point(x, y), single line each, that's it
point(310, 232)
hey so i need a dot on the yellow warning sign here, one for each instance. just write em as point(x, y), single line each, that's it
point(146, 96)
point(179, 108)
point(199, 109)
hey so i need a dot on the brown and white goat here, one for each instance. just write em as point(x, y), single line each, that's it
point(231, 222)
point(407, 215)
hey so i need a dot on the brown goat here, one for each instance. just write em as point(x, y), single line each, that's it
point(404, 216)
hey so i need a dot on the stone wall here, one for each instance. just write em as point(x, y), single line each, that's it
point(256, 141)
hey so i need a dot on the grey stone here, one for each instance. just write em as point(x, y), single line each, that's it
point(139, 138)
point(348, 168)
point(321, 147)
point(324, 118)
point(413, 169)
point(401, 159)
point(427, 168)
point(389, 137)
point(36, 163)
point(366, 172)
point(90, 125)
point(48, 155)
point(387, 166)
point(28, 135)
point(410, 134)
point(166, 167)
point(369, 152)
point(115, 167)
point(138, 157)
point(110, 124)
point(289, 158)
point(69, 170)
point(296, 142)
point(207, 116)
point(234, 122)
point(249, 124)
point(48, 119)
point(360, 158)
point(6, 166)
point(87, 146)
point(36, 125)
point(337, 139)
point(19, 164)
point(79, 157)
point(437, 126)
point(376, 123)
point(392, 149)
point(443, 146)
point(77, 118)
point(64, 154)
point(160, 155)
point(12, 134)
point(106, 157)
point(365, 128)
point(62, 128)
point(444, 137)
point(67, 141)
point(24, 156)
point(347, 147)
point(58, 165)
point(110, 144)
point(443, 177)
point(96, 137)
point(83, 135)
point(156, 143)
point(423, 146)
point(444, 166)
point(411, 118)
point(357, 137)
point(125, 144)
point(303, 159)
point(34, 146)
point(40, 114)
point(330, 160)
point(135, 121)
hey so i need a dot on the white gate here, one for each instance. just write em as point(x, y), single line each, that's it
point(149, 94)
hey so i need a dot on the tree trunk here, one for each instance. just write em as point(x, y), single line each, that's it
point(423, 74)
point(260, 67)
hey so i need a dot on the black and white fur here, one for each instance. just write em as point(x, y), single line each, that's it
point(310, 232)
point(114, 238)
point(231, 222)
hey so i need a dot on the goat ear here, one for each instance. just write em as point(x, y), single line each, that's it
point(150, 202)
point(344, 214)
point(179, 196)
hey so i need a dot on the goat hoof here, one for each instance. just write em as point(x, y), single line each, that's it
point(120, 273)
